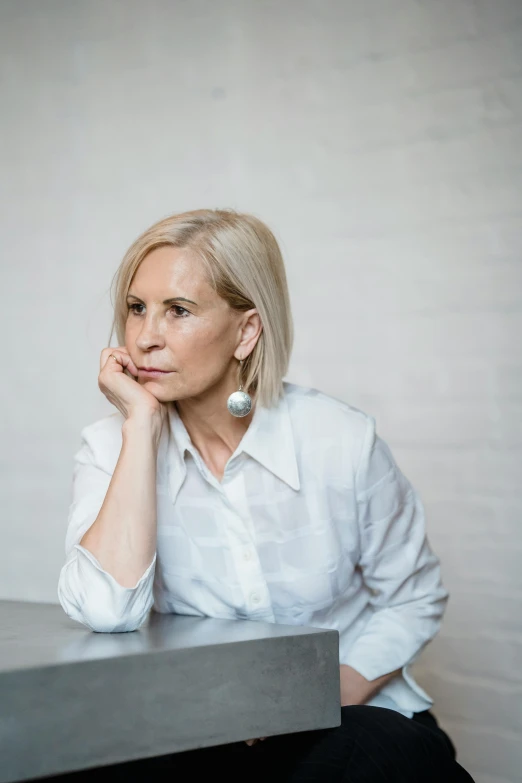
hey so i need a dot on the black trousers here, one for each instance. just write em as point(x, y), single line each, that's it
point(372, 745)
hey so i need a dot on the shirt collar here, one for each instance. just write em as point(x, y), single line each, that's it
point(269, 440)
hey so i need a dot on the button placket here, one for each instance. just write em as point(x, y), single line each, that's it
point(248, 565)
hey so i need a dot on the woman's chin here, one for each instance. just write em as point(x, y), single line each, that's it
point(158, 388)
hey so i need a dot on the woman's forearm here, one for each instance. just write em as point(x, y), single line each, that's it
point(356, 689)
point(123, 536)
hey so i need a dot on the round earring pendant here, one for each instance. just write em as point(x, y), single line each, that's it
point(239, 403)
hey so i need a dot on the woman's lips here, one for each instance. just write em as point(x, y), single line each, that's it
point(153, 373)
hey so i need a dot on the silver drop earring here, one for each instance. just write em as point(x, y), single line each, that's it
point(239, 403)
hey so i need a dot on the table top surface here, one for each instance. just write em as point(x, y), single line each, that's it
point(39, 634)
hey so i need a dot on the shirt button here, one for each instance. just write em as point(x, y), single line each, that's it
point(247, 555)
point(255, 598)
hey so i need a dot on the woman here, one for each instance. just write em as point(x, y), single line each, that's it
point(219, 489)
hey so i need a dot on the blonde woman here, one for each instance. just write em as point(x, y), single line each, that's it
point(219, 489)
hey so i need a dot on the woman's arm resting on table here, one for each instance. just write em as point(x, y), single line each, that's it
point(107, 580)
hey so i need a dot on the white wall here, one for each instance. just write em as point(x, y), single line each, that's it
point(381, 140)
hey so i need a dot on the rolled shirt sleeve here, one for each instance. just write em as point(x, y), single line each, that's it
point(88, 593)
point(397, 564)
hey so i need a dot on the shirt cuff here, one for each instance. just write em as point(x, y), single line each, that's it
point(383, 649)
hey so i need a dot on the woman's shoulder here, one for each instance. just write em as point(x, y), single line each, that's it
point(316, 413)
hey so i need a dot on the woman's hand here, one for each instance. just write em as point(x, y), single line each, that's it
point(253, 741)
point(356, 689)
point(126, 393)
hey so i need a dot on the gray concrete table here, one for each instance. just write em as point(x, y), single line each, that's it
point(72, 699)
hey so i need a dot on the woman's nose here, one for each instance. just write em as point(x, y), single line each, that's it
point(150, 334)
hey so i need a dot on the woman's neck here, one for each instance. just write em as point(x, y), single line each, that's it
point(213, 430)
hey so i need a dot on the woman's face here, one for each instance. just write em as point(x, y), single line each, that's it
point(194, 337)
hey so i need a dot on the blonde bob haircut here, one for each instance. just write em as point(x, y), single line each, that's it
point(244, 266)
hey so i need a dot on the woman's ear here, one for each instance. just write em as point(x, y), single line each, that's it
point(250, 332)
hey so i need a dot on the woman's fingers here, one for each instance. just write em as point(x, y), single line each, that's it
point(122, 357)
point(253, 741)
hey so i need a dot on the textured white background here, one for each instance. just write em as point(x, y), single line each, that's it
point(381, 140)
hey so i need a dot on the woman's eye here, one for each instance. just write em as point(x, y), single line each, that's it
point(179, 311)
point(183, 311)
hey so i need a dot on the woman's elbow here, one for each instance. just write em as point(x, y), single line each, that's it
point(105, 622)
point(102, 619)
point(99, 608)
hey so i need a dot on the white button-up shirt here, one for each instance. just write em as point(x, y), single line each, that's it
point(313, 524)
